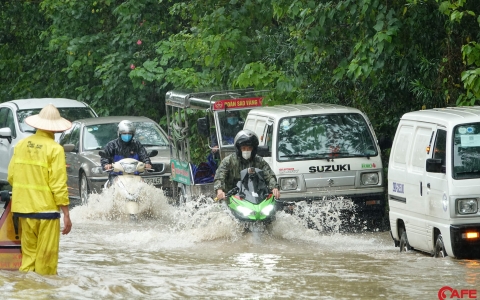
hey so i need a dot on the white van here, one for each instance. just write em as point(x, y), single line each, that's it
point(434, 182)
point(323, 150)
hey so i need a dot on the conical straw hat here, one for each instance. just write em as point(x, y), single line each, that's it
point(49, 119)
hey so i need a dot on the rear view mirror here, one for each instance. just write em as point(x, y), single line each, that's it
point(434, 165)
point(264, 151)
point(203, 126)
point(153, 153)
point(68, 147)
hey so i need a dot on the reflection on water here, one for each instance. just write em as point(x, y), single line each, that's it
point(200, 251)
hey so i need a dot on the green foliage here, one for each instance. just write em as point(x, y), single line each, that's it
point(383, 57)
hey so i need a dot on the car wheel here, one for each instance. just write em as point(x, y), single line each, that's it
point(84, 189)
point(439, 247)
point(404, 245)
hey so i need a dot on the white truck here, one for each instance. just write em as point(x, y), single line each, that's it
point(322, 150)
point(434, 182)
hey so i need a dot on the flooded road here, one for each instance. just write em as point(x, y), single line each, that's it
point(202, 253)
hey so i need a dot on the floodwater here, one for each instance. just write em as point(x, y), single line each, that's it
point(203, 253)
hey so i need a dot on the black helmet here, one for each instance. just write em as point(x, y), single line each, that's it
point(246, 137)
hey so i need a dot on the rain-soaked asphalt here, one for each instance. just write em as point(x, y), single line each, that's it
point(202, 253)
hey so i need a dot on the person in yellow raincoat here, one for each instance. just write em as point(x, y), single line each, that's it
point(38, 176)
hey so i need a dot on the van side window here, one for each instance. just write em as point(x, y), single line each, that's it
point(440, 146)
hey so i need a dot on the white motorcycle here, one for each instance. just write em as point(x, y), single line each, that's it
point(127, 184)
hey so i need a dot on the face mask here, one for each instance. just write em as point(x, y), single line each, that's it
point(246, 154)
point(126, 137)
point(232, 120)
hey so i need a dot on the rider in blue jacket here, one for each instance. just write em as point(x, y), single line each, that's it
point(125, 146)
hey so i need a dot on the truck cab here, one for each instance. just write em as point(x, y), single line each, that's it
point(201, 128)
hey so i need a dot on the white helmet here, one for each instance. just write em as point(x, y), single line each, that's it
point(126, 126)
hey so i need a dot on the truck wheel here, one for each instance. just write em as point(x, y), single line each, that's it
point(404, 245)
point(439, 248)
point(84, 189)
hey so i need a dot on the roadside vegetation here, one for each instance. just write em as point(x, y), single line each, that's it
point(121, 57)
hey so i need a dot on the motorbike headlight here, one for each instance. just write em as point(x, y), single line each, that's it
point(288, 183)
point(129, 168)
point(467, 206)
point(245, 211)
point(267, 209)
point(369, 178)
point(97, 170)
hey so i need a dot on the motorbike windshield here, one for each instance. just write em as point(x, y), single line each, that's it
point(324, 136)
point(466, 151)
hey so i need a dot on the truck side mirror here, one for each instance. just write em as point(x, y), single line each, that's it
point(203, 126)
point(434, 165)
point(385, 142)
point(264, 151)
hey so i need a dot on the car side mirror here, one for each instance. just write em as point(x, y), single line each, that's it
point(434, 165)
point(153, 153)
point(102, 154)
point(203, 126)
point(6, 133)
point(68, 147)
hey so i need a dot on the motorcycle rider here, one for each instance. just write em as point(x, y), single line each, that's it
point(228, 173)
point(125, 146)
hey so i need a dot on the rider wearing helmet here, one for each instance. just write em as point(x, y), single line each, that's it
point(245, 156)
point(125, 146)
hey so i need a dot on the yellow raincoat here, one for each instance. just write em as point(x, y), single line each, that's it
point(37, 173)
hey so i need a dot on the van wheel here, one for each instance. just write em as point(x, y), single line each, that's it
point(404, 245)
point(84, 189)
point(439, 248)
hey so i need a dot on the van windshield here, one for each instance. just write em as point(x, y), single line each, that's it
point(324, 136)
point(466, 151)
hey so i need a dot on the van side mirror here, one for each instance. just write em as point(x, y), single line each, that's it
point(203, 126)
point(264, 151)
point(434, 165)
point(6, 133)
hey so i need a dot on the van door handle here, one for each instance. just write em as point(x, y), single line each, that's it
point(428, 185)
point(421, 186)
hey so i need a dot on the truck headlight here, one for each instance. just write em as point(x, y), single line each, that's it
point(467, 206)
point(369, 178)
point(288, 183)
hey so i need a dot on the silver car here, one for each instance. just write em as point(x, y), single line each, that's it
point(13, 128)
point(89, 136)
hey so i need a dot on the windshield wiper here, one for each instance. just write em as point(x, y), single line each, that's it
point(294, 155)
point(153, 145)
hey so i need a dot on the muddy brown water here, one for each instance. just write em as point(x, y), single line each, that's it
point(203, 253)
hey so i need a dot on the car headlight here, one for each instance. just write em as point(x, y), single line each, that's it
point(288, 183)
point(97, 170)
point(369, 178)
point(267, 209)
point(245, 211)
point(467, 206)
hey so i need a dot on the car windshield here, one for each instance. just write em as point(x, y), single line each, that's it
point(466, 151)
point(69, 113)
point(95, 137)
point(324, 136)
